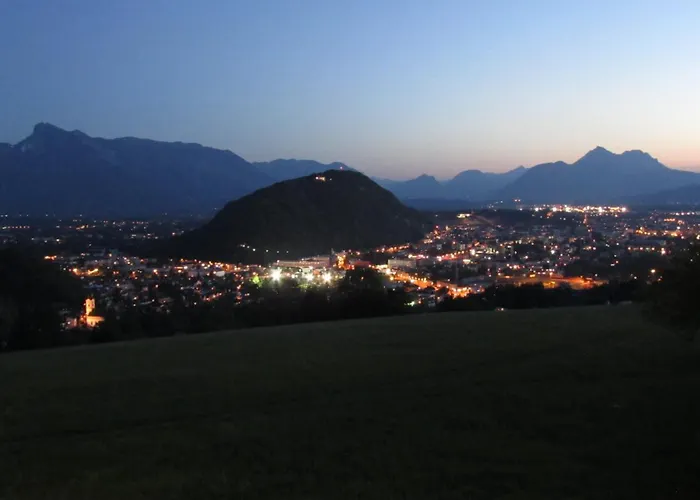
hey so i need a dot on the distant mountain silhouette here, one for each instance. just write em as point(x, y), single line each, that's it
point(282, 170)
point(54, 171)
point(69, 173)
point(686, 195)
point(472, 185)
point(478, 185)
point(441, 204)
point(304, 216)
point(424, 186)
point(598, 177)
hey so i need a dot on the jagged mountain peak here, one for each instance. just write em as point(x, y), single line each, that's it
point(45, 127)
point(637, 153)
point(49, 130)
point(596, 155)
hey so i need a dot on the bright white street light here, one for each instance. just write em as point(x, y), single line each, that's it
point(276, 274)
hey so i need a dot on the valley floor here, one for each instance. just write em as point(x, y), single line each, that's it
point(569, 403)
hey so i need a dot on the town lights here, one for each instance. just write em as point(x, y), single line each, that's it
point(276, 274)
point(327, 278)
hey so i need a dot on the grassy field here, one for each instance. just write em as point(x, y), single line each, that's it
point(562, 404)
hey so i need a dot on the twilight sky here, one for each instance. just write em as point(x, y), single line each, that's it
point(393, 87)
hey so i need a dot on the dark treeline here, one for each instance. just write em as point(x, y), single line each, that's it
point(673, 300)
point(227, 314)
point(360, 294)
point(296, 306)
point(33, 294)
point(537, 296)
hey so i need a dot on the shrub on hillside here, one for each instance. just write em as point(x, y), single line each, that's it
point(673, 299)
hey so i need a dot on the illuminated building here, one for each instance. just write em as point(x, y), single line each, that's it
point(88, 319)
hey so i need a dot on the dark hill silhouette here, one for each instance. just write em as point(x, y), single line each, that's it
point(69, 173)
point(300, 217)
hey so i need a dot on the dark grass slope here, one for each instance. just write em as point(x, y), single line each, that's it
point(584, 403)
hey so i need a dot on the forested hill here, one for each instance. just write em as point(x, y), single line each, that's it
point(304, 216)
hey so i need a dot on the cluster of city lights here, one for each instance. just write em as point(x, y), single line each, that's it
point(588, 209)
point(276, 275)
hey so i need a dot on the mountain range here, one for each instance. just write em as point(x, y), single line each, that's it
point(67, 173)
point(598, 177)
point(54, 171)
point(472, 185)
point(304, 216)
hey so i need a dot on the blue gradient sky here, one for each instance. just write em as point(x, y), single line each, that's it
point(395, 88)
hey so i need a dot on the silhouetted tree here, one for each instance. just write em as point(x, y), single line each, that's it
point(361, 279)
point(674, 297)
point(32, 293)
point(8, 320)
